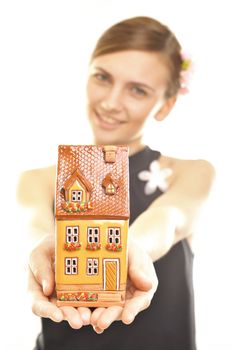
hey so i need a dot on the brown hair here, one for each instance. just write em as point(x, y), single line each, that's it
point(145, 34)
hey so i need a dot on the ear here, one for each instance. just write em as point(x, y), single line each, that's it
point(166, 108)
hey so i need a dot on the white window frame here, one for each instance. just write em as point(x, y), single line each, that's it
point(92, 267)
point(72, 234)
point(114, 235)
point(93, 235)
point(71, 266)
point(76, 195)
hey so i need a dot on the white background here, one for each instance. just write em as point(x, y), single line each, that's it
point(44, 52)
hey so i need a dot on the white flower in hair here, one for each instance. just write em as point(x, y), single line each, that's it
point(155, 177)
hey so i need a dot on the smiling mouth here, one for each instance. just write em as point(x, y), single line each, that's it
point(108, 123)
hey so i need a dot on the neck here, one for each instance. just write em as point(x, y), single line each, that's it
point(134, 146)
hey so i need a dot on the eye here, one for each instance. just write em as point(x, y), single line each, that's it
point(138, 91)
point(101, 77)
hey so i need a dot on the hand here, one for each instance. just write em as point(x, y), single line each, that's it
point(41, 285)
point(141, 285)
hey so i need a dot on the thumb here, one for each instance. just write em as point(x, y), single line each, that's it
point(139, 267)
point(139, 279)
point(40, 263)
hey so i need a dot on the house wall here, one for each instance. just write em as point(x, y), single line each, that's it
point(83, 254)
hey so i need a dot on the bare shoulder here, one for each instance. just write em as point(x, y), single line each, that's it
point(186, 164)
point(34, 183)
point(188, 169)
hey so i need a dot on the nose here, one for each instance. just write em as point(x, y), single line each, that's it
point(113, 100)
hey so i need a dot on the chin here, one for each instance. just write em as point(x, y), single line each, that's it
point(106, 138)
point(108, 141)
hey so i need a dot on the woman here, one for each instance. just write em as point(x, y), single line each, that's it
point(136, 73)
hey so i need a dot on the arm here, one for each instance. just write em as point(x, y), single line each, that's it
point(172, 217)
point(35, 193)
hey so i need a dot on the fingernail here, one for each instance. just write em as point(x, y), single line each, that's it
point(86, 319)
point(58, 316)
point(98, 330)
point(129, 319)
point(44, 285)
point(144, 276)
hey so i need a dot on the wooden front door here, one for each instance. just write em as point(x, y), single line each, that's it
point(111, 274)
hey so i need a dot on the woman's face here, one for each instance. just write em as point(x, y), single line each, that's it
point(122, 89)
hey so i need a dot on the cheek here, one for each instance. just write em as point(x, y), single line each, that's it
point(140, 111)
point(91, 94)
point(94, 94)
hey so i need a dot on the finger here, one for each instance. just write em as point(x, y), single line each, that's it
point(134, 306)
point(141, 272)
point(72, 316)
point(85, 314)
point(44, 308)
point(108, 316)
point(98, 330)
point(139, 267)
point(96, 315)
point(140, 280)
point(41, 306)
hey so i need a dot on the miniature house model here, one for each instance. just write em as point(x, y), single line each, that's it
point(92, 213)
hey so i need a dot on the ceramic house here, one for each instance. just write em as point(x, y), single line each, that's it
point(92, 213)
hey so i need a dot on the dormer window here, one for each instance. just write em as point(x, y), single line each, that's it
point(76, 196)
point(110, 185)
point(76, 188)
point(110, 189)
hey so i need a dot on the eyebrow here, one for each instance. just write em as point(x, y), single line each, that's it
point(131, 82)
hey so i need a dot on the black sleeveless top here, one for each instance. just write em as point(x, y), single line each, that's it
point(168, 323)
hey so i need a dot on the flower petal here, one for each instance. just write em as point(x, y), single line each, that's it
point(154, 166)
point(163, 185)
point(144, 175)
point(150, 188)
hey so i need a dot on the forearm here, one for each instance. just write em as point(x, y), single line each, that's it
point(35, 196)
point(42, 222)
point(156, 230)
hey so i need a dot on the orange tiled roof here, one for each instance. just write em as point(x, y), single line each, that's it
point(77, 175)
point(89, 162)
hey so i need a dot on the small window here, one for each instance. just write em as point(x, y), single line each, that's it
point(92, 267)
point(76, 196)
point(72, 235)
point(71, 266)
point(114, 235)
point(110, 189)
point(93, 235)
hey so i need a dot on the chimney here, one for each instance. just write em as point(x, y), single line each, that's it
point(110, 154)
